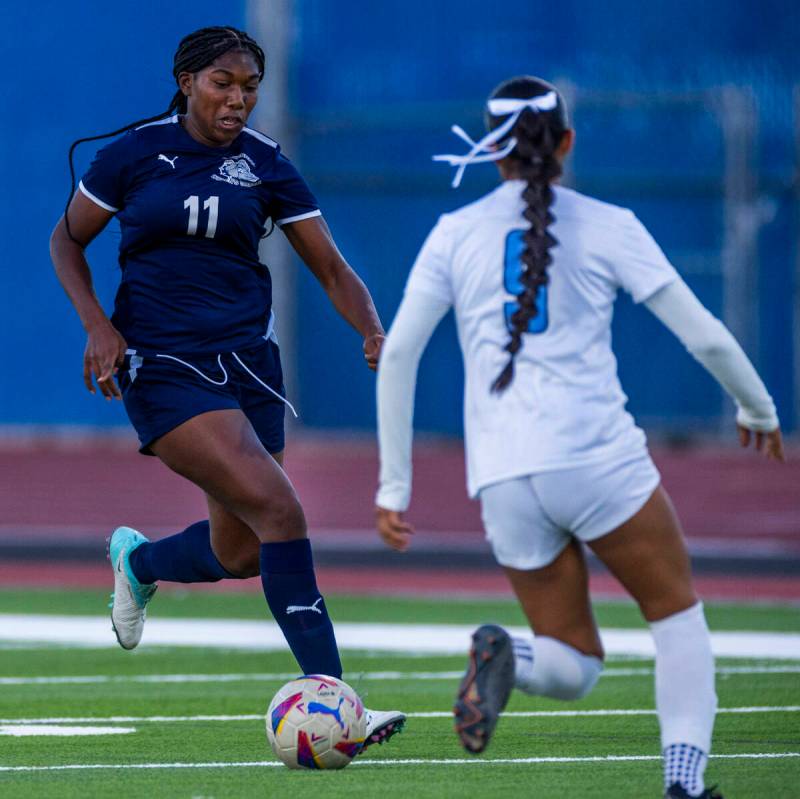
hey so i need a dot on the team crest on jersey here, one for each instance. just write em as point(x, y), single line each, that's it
point(236, 171)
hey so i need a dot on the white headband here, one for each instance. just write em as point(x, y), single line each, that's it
point(480, 151)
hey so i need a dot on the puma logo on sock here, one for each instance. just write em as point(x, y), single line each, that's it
point(297, 608)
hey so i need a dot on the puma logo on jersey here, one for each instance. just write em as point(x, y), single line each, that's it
point(297, 608)
point(170, 161)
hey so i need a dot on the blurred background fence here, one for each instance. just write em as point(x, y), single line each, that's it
point(688, 114)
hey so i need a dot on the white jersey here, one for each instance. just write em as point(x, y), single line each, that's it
point(565, 406)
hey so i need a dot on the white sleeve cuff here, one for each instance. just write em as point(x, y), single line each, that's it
point(764, 422)
point(298, 218)
point(394, 496)
point(96, 200)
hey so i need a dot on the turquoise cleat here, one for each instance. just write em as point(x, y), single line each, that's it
point(130, 597)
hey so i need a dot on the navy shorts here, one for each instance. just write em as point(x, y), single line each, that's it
point(162, 391)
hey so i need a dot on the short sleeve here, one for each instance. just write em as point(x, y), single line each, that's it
point(292, 200)
point(638, 263)
point(431, 271)
point(106, 183)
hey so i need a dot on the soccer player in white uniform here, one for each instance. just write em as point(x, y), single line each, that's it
point(532, 270)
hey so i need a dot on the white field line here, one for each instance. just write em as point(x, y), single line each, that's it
point(403, 762)
point(523, 714)
point(353, 678)
point(223, 678)
point(519, 714)
point(59, 731)
point(430, 639)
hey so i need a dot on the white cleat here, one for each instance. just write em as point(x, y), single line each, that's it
point(130, 597)
point(382, 725)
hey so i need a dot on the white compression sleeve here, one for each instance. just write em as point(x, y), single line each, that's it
point(416, 319)
point(685, 697)
point(711, 343)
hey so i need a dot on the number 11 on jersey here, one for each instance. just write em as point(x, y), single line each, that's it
point(211, 205)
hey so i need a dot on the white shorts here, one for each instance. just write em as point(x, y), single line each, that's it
point(531, 519)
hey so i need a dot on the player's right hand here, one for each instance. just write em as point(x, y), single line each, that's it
point(104, 354)
point(771, 444)
point(395, 532)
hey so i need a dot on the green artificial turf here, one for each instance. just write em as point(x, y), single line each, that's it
point(380, 772)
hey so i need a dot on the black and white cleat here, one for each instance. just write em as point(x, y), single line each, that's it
point(485, 687)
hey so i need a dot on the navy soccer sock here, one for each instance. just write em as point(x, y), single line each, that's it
point(186, 557)
point(287, 574)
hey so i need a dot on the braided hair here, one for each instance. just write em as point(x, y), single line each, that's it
point(538, 134)
point(195, 52)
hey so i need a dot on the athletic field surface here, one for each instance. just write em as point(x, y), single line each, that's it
point(183, 715)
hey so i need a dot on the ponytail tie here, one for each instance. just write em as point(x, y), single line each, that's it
point(481, 151)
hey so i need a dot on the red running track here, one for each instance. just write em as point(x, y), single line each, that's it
point(719, 493)
point(81, 491)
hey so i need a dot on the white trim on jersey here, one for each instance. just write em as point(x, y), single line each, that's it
point(269, 334)
point(166, 121)
point(289, 219)
point(96, 200)
point(261, 137)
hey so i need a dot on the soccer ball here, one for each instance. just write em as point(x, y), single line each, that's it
point(316, 722)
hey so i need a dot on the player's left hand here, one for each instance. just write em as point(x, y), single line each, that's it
point(771, 444)
point(372, 349)
point(393, 529)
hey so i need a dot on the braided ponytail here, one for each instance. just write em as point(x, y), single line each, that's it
point(195, 52)
point(538, 135)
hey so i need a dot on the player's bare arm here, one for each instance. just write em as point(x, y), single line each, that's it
point(313, 242)
point(105, 347)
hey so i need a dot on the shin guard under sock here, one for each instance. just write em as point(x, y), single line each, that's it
point(290, 586)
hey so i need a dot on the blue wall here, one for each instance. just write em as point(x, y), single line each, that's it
point(374, 89)
point(377, 87)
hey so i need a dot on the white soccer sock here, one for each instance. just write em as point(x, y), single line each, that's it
point(549, 667)
point(685, 697)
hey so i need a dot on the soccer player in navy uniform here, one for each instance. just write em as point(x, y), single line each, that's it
point(190, 347)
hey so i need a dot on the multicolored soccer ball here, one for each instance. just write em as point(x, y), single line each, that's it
point(316, 722)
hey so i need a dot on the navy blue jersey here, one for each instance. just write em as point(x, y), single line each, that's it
point(191, 218)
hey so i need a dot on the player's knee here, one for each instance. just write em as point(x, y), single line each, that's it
point(283, 517)
point(244, 564)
